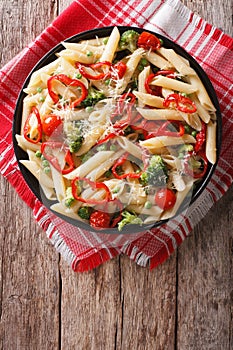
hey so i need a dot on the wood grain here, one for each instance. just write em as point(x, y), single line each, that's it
point(29, 273)
point(205, 282)
point(184, 304)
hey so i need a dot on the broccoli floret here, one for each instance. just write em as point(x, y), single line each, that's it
point(84, 212)
point(69, 199)
point(128, 40)
point(93, 97)
point(73, 131)
point(184, 149)
point(156, 173)
point(129, 218)
point(74, 145)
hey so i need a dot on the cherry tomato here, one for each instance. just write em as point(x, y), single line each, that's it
point(165, 198)
point(148, 41)
point(99, 219)
point(50, 124)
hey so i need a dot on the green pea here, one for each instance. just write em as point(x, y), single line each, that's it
point(38, 154)
point(116, 190)
point(78, 76)
point(45, 163)
point(187, 129)
point(105, 41)
point(148, 205)
point(41, 99)
point(89, 109)
point(144, 61)
point(102, 147)
point(194, 133)
point(140, 67)
point(47, 170)
point(108, 173)
point(39, 89)
point(113, 147)
point(89, 53)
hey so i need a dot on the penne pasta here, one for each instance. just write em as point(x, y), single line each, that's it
point(158, 60)
point(160, 114)
point(164, 141)
point(174, 84)
point(111, 46)
point(85, 168)
point(202, 93)
point(116, 132)
point(211, 142)
point(176, 61)
point(149, 100)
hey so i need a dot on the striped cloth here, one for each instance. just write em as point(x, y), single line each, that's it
point(208, 45)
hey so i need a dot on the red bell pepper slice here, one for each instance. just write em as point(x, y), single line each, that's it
point(200, 138)
point(189, 170)
point(125, 102)
point(157, 90)
point(182, 103)
point(106, 138)
point(163, 130)
point(70, 163)
point(27, 126)
point(118, 70)
point(69, 82)
point(96, 67)
point(53, 160)
point(148, 41)
point(120, 162)
point(92, 184)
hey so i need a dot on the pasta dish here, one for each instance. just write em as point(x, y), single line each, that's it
point(118, 130)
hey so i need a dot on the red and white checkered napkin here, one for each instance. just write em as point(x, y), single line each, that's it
point(209, 46)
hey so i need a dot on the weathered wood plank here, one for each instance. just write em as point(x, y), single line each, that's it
point(204, 314)
point(29, 273)
point(205, 282)
point(119, 306)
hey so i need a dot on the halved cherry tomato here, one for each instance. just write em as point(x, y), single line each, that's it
point(50, 124)
point(99, 219)
point(148, 41)
point(165, 198)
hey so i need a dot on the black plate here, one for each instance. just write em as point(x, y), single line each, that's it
point(49, 57)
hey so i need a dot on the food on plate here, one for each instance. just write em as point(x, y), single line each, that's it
point(118, 130)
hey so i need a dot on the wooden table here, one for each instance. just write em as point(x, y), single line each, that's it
point(183, 304)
